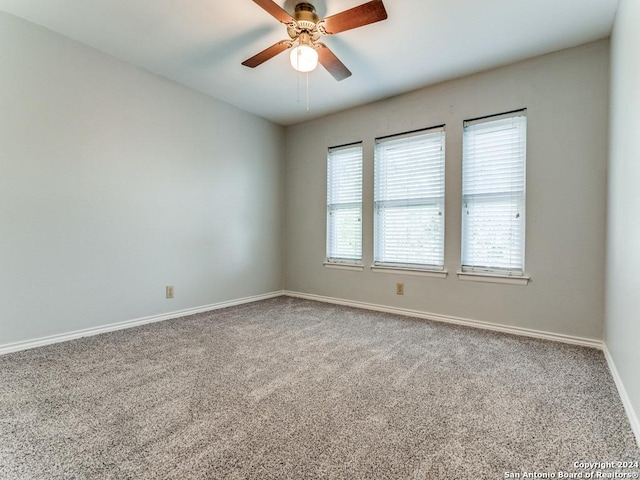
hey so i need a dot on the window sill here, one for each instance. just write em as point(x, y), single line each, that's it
point(493, 278)
point(344, 266)
point(410, 271)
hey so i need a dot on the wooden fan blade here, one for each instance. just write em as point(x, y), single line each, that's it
point(332, 63)
point(355, 17)
point(275, 10)
point(267, 54)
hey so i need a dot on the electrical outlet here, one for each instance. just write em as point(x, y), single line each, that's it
point(399, 288)
point(169, 291)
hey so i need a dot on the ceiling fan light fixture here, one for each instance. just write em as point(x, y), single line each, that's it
point(305, 27)
point(304, 58)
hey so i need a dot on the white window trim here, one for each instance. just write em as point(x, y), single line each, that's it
point(418, 272)
point(494, 278)
point(345, 263)
point(344, 266)
point(484, 274)
point(415, 269)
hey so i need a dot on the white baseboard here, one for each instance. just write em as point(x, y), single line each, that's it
point(87, 332)
point(38, 342)
point(624, 396)
point(558, 337)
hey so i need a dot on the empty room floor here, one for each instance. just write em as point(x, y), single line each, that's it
point(291, 388)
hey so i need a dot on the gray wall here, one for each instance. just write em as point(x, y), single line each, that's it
point(622, 325)
point(115, 182)
point(566, 94)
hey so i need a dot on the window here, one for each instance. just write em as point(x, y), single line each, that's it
point(493, 194)
point(409, 200)
point(344, 204)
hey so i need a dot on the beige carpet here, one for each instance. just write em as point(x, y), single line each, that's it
point(288, 388)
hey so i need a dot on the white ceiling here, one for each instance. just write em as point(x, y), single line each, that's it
point(201, 44)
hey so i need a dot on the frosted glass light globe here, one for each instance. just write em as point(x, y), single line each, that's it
point(304, 58)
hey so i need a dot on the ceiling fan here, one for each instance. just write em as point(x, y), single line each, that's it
point(305, 27)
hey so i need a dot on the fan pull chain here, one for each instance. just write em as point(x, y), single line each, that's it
point(307, 92)
point(307, 89)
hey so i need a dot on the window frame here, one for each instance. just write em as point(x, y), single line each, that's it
point(342, 262)
point(488, 272)
point(411, 267)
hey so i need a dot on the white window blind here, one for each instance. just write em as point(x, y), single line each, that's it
point(344, 204)
point(493, 194)
point(409, 200)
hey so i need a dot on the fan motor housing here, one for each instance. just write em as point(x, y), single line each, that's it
point(305, 15)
